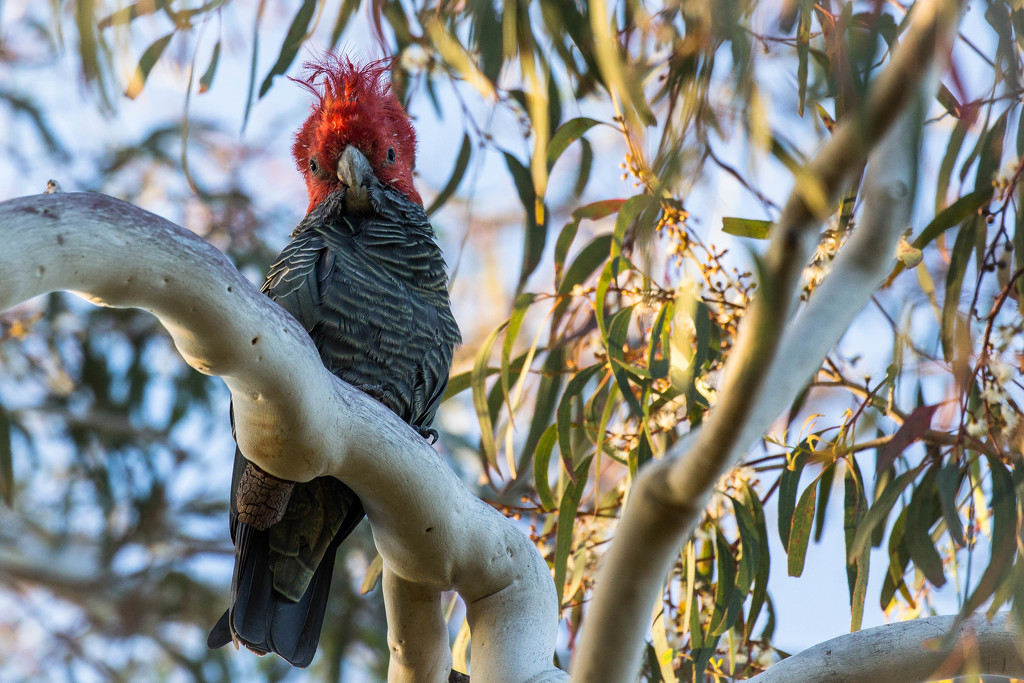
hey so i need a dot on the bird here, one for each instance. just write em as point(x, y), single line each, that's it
point(363, 274)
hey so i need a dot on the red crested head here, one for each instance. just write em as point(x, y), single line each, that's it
point(354, 107)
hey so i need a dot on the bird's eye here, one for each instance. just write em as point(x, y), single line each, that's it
point(313, 166)
point(391, 155)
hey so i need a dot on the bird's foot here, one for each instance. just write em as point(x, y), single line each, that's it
point(262, 498)
point(430, 435)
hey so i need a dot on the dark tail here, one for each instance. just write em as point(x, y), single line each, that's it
point(262, 619)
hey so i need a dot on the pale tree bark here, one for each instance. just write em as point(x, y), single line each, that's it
point(774, 356)
point(929, 649)
point(297, 421)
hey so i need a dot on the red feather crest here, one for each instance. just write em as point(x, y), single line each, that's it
point(333, 77)
point(354, 107)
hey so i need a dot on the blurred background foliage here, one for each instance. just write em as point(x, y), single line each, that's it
point(602, 177)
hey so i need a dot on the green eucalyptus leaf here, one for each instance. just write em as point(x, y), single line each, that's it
point(293, 40)
point(146, 63)
point(747, 227)
point(461, 164)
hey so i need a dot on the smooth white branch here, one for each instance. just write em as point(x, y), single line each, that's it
point(297, 421)
point(766, 368)
point(913, 651)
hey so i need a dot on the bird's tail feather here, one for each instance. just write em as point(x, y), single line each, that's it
point(261, 618)
point(265, 621)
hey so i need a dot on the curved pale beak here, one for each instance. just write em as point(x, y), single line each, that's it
point(354, 172)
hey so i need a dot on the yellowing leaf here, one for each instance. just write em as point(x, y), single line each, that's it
point(459, 648)
point(146, 63)
point(460, 60)
point(373, 573)
point(662, 649)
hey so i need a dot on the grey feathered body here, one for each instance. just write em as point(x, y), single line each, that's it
point(370, 289)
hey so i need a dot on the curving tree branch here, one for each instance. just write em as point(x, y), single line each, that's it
point(297, 421)
point(919, 650)
point(767, 367)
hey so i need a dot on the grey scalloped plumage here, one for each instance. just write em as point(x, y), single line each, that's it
point(370, 289)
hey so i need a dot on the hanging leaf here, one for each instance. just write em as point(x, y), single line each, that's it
point(485, 36)
point(568, 133)
point(922, 512)
point(483, 410)
point(727, 599)
point(535, 234)
point(953, 147)
point(6, 459)
point(585, 166)
point(702, 643)
point(456, 56)
point(662, 652)
point(960, 257)
point(912, 429)
point(617, 330)
point(949, 102)
point(800, 531)
point(341, 23)
point(947, 483)
point(990, 153)
point(879, 512)
point(542, 457)
point(515, 322)
point(207, 78)
point(609, 275)
point(252, 63)
point(824, 493)
point(789, 483)
point(563, 415)
point(545, 402)
point(855, 506)
point(610, 404)
point(587, 261)
point(89, 47)
point(899, 558)
point(752, 503)
point(461, 163)
point(292, 42)
point(803, 35)
point(146, 63)
point(567, 510)
point(750, 547)
point(659, 367)
point(562, 244)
